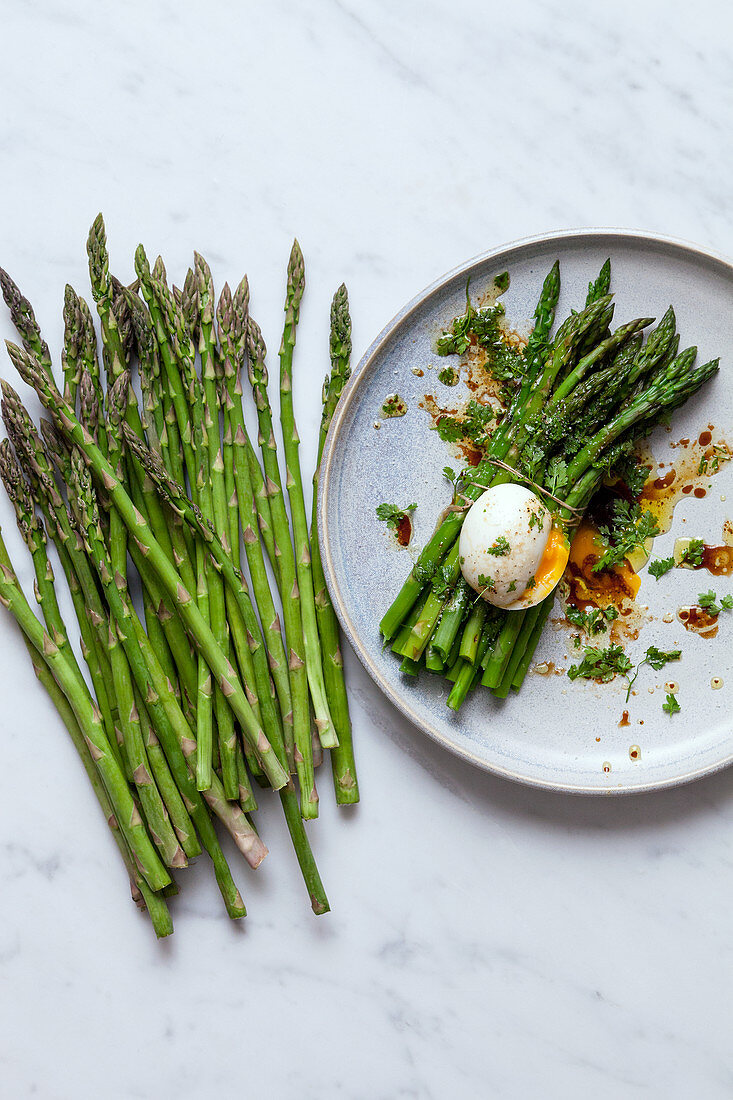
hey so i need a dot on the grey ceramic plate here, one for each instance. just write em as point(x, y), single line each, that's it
point(555, 733)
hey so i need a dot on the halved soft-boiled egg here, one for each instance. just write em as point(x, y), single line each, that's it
point(511, 552)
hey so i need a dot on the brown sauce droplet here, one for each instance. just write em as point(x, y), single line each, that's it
point(666, 481)
point(700, 492)
point(403, 531)
point(698, 620)
point(606, 766)
point(686, 488)
point(625, 719)
point(635, 752)
point(718, 560)
point(705, 438)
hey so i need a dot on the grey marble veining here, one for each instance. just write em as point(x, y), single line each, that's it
point(486, 940)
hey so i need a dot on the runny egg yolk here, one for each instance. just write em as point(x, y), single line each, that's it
point(554, 560)
point(549, 572)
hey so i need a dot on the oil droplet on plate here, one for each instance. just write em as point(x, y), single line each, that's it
point(377, 425)
point(418, 372)
point(394, 405)
point(635, 752)
point(668, 618)
point(625, 719)
point(716, 683)
point(597, 738)
point(672, 687)
point(606, 766)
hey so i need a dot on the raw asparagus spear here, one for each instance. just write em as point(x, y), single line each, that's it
point(343, 765)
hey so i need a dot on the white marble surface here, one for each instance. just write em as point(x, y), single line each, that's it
point(485, 940)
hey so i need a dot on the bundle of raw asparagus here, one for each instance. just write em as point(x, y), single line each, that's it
point(201, 699)
point(577, 404)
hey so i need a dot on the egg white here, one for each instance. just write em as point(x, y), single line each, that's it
point(503, 539)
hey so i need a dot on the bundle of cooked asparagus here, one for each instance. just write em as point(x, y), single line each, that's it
point(188, 710)
point(576, 405)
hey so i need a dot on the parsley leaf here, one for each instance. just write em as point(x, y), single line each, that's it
point(557, 475)
point(631, 527)
point(592, 621)
point(601, 664)
point(449, 429)
point(501, 282)
point(500, 547)
point(633, 474)
point(692, 554)
point(391, 514)
point(671, 706)
point(708, 601)
point(656, 659)
point(486, 583)
point(661, 566)
point(605, 664)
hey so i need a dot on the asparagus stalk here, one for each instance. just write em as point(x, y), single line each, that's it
point(287, 574)
point(294, 482)
point(139, 529)
point(214, 504)
point(232, 314)
point(24, 319)
point(343, 765)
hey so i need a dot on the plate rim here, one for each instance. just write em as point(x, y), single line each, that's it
point(644, 236)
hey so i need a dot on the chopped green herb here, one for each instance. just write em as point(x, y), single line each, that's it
point(710, 462)
point(392, 515)
point(442, 581)
point(592, 621)
point(472, 425)
point(656, 659)
point(501, 282)
point(478, 418)
point(633, 474)
point(448, 376)
point(708, 601)
point(455, 340)
point(512, 587)
point(557, 475)
point(605, 664)
point(531, 583)
point(486, 584)
point(500, 547)
point(449, 429)
point(671, 706)
point(631, 527)
point(692, 554)
point(661, 566)
point(537, 519)
point(394, 406)
point(601, 664)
